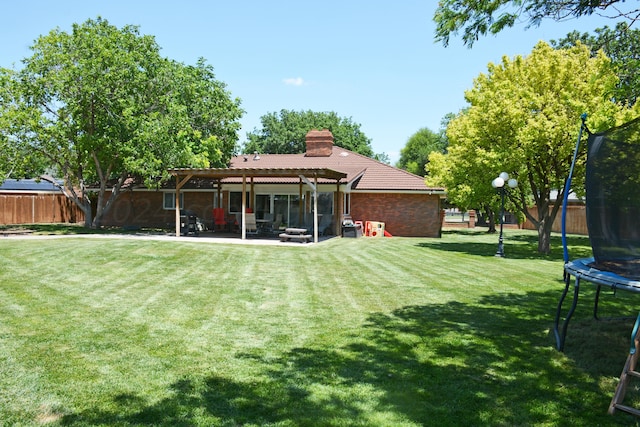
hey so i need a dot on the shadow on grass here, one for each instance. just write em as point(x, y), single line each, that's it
point(71, 229)
point(517, 244)
point(491, 363)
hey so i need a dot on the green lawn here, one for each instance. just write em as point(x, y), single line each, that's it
point(348, 332)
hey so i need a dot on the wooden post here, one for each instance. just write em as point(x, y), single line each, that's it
point(315, 209)
point(336, 210)
point(244, 207)
point(179, 185)
point(300, 205)
point(251, 196)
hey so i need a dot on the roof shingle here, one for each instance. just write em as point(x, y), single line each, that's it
point(365, 173)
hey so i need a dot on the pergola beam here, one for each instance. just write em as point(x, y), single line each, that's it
point(179, 185)
point(314, 187)
point(222, 173)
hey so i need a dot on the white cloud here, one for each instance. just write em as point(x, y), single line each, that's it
point(294, 81)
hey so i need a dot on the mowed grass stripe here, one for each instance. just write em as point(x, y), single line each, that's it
point(348, 332)
point(402, 267)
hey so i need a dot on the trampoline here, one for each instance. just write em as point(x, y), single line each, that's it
point(612, 188)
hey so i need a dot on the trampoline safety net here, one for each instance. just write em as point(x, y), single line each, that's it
point(613, 199)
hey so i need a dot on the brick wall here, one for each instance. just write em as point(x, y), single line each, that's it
point(144, 209)
point(409, 215)
point(470, 222)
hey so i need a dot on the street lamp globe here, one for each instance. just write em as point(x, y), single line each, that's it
point(498, 184)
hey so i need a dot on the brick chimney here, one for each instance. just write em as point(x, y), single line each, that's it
point(319, 143)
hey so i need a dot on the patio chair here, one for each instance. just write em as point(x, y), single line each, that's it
point(234, 222)
point(275, 225)
point(250, 226)
point(219, 223)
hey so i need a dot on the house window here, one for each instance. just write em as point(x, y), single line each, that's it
point(169, 200)
point(325, 203)
point(347, 204)
point(235, 201)
point(263, 205)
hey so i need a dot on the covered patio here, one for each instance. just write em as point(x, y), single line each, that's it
point(308, 176)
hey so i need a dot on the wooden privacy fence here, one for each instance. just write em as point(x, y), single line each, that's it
point(576, 220)
point(38, 208)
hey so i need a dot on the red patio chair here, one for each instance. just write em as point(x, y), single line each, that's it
point(219, 223)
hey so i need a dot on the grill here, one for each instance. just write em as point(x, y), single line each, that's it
point(188, 222)
point(350, 228)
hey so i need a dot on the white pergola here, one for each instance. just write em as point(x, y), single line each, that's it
point(309, 176)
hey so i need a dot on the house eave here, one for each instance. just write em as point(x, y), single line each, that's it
point(438, 192)
point(240, 172)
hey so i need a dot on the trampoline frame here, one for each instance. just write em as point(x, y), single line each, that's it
point(581, 269)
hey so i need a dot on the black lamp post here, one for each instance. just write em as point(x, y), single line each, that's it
point(498, 183)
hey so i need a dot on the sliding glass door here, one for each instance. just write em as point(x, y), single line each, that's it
point(287, 205)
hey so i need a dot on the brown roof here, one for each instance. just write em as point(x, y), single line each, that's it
point(261, 172)
point(365, 173)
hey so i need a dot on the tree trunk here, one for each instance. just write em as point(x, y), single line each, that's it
point(544, 235)
point(82, 201)
point(88, 212)
point(99, 208)
point(492, 220)
point(103, 207)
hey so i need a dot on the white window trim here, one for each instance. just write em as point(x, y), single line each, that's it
point(173, 200)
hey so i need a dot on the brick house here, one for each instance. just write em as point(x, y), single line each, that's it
point(338, 181)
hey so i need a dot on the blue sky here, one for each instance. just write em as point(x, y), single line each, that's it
point(373, 61)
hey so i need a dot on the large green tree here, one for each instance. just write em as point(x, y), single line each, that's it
point(466, 173)
point(477, 18)
point(103, 107)
point(523, 118)
point(415, 154)
point(285, 133)
point(622, 45)
point(15, 159)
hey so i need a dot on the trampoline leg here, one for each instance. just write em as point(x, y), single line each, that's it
point(595, 304)
point(628, 372)
point(561, 335)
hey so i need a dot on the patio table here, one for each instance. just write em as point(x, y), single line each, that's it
point(263, 225)
point(295, 233)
